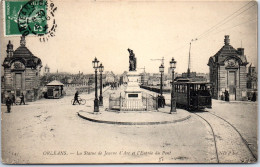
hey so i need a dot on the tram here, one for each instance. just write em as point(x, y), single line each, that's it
point(193, 95)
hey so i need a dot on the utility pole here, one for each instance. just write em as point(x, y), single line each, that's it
point(188, 71)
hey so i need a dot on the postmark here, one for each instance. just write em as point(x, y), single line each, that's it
point(33, 17)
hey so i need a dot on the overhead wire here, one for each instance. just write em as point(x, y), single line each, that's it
point(237, 25)
point(224, 21)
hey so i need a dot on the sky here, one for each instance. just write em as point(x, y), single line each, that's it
point(105, 29)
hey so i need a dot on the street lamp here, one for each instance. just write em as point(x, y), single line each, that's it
point(161, 69)
point(101, 69)
point(173, 101)
point(95, 66)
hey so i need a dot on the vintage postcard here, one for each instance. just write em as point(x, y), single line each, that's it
point(135, 81)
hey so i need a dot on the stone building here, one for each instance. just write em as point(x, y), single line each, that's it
point(21, 72)
point(144, 78)
point(228, 72)
point(123, 78)
point(46, 70)
point(110, 77)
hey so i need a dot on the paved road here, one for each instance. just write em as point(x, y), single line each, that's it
point(49, 130)
point(229, 118)
point(230, 147)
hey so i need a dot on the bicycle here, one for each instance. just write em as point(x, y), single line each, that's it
point(81, 101)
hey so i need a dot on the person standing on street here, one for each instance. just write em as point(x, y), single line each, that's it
point(13, 100)
point(253, 97)
point(226, 95)
point(76, 98)
point(22, 99)
point(8, 103)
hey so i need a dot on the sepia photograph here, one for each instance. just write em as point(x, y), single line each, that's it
point(129, 82)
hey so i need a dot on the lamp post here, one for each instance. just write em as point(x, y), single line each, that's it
point(101, 69)
point(95, 66)
point(161, 69)
point(173, 101)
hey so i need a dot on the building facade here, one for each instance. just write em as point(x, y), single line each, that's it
point(228, 72)
point(144, 78)
point(21, 72)
point(46, 70)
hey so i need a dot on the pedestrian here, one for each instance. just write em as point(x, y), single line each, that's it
point(163, 101)
point(253, 97)
point(222, 96)
point(13, 100)
point(8, 103)
point(22, 99)
point(159, 101)
point(226, 95)
point(76, 97)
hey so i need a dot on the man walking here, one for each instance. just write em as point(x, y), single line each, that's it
point(76, 97)
point(22, 99)
point(8, 103)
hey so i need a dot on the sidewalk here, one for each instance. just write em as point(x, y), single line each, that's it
point(135, 117)
point(162, 116)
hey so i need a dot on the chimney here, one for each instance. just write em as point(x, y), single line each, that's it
point(22, 41)
point(227, 40)
point(9, 49)
point(240, 51)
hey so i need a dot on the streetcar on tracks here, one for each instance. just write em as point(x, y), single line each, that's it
point(193, 95)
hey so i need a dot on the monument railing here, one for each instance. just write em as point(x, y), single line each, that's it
point(148, 103)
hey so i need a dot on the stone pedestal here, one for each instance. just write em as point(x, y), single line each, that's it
point(133, 93)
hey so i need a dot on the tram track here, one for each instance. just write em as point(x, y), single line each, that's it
point(242, 138)
point(214, 136)
point(227, 150)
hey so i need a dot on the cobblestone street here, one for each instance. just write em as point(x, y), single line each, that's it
point(50, 130)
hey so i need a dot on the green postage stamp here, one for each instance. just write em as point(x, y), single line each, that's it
point(25, 17)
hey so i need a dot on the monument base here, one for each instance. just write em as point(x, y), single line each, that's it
point(133, 94)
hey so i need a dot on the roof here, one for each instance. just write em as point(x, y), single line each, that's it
point(55, 83)
point(24, 55)
point(23, 51)
point(227, 52)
